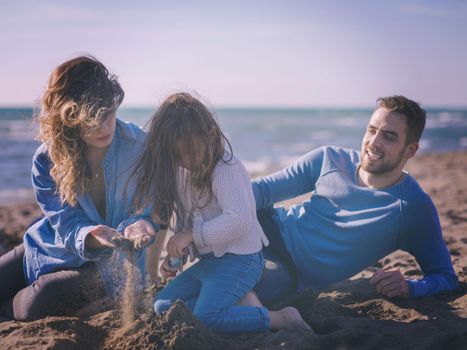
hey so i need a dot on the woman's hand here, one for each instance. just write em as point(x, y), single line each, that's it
point(100, 237)
point(179, 242)
point(140, 233)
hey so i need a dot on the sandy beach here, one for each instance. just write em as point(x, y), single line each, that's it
point(349, 315)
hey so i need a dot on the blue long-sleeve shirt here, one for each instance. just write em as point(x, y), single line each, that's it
point(344, 228)
point(57, 240)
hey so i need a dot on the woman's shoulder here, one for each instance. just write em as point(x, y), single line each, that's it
point(41, 152)
point(41, 160)
point(131, 132)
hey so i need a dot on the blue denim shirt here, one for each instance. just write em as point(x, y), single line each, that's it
point(56, 241)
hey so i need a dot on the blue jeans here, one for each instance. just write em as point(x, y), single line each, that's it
point(279, 279)
point(212, 288)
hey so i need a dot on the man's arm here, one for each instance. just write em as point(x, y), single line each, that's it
point(295, 180)
point(422, 237)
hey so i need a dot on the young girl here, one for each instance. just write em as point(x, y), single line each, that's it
point(79, 174)
point(186, 170)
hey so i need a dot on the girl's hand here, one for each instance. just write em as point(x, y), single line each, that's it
point(140, 232)
point(165, 269)
point(178, 243)
point(100, 237)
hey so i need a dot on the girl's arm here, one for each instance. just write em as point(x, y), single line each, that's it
point(154, 255)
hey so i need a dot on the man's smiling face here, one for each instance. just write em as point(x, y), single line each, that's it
point(384, 144)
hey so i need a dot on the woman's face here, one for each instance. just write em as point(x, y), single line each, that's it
point(101, 137)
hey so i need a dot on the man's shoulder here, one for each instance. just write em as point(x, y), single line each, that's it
point(413, 195)
point(420, 218)
point(341, 153)
point(339, 158)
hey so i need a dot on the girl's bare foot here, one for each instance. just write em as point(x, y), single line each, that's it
point(288, 317)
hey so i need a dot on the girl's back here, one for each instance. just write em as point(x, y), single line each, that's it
point(227, 222)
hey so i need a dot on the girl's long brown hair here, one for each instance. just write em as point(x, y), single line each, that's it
point(181, 124)
point(80, 94)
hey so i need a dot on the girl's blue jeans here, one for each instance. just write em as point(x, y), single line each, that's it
point(212, 288)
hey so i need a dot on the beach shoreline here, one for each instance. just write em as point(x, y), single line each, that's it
point(347, 315)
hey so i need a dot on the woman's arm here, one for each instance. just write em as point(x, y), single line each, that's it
point(70, 222)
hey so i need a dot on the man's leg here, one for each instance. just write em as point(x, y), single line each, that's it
point(60, 293)
point(278, 280)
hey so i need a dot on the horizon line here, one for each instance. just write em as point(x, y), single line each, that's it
point(258, 107)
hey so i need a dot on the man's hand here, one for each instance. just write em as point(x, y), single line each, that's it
point(100, 237)
point(179, 242)
point(390, 283)
point(140, 233)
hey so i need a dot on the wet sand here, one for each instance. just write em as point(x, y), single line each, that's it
point(349, 315)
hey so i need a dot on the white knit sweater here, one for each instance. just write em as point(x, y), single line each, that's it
point(228, 224)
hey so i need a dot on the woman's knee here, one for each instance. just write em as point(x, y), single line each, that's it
point(26, 307)
point(49, 295)
point(33, 302)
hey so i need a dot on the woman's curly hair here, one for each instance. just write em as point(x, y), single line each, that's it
point(80, 94)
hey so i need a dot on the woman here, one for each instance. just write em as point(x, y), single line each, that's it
point(80, 175)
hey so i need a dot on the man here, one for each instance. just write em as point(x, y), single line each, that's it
point(363, 206)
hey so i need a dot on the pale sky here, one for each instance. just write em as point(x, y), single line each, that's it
point(244, 53)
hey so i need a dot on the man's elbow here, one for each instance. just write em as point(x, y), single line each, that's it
point(453, 281)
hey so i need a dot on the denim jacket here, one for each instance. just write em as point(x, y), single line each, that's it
point(56, 241)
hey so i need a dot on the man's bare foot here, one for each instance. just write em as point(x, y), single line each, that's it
point(288, 317)
point(250, 299)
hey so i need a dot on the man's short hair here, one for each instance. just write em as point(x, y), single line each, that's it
point(415, 116)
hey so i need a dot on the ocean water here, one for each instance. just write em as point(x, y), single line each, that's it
point(264, 139)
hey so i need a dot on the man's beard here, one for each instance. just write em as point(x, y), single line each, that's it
point(384, 167)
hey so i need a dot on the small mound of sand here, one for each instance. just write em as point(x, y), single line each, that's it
point(176, 329)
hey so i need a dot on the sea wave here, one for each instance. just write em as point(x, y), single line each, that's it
point(264, 139)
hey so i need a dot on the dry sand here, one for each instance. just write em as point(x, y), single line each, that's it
point(350, 315)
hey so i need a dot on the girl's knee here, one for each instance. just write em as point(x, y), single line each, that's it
point(212, 319)
point(162, 305)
